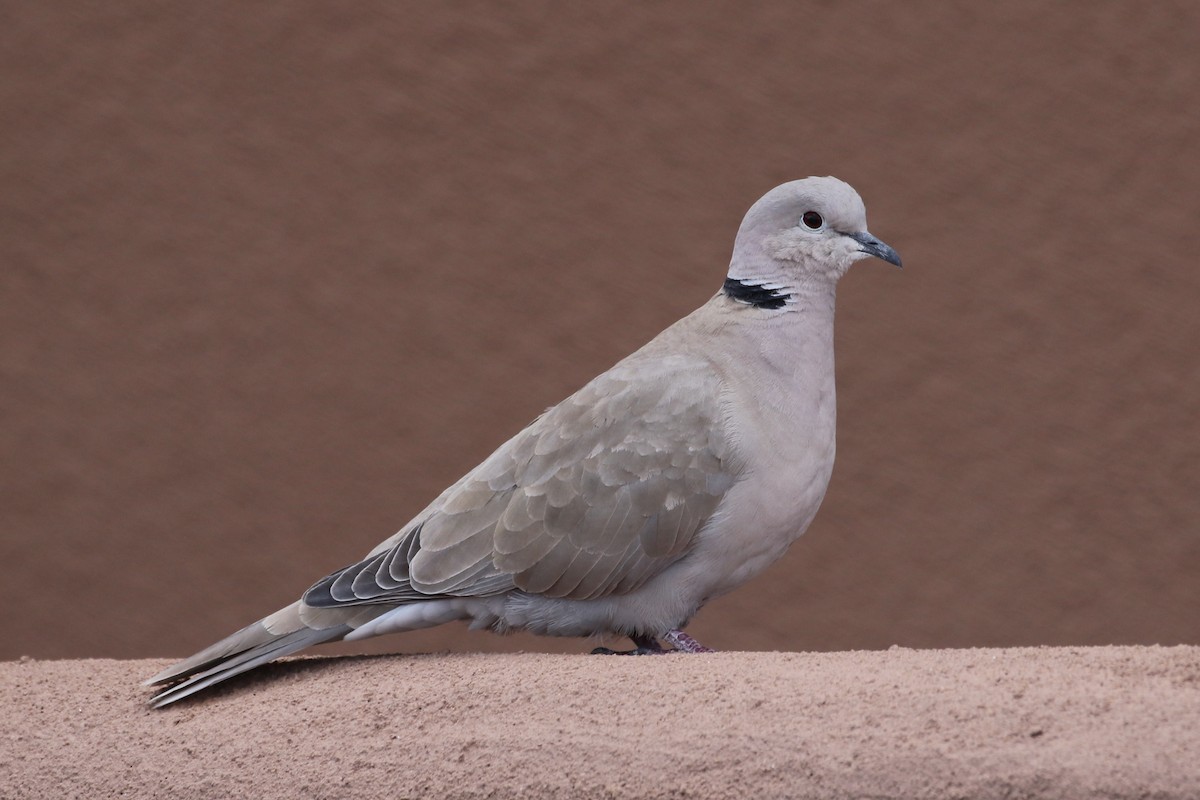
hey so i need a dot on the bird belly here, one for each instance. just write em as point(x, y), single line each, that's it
point(758, 522)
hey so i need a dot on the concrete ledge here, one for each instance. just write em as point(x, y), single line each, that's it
point(1090, 722)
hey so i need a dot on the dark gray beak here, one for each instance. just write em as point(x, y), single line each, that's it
point(874, 247)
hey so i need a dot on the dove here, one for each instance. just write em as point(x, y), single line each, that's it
point(669, 480)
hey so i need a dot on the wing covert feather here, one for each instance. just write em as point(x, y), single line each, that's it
point(594, 497)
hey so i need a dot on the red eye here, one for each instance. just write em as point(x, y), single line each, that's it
point(812, 220)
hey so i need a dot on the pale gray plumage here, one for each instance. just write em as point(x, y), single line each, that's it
point(670, 479)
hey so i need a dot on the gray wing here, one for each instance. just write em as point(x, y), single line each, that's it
point(596, 496)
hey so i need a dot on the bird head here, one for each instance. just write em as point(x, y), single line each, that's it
point(805, 233)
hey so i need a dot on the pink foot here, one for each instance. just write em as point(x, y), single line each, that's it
point(684, 643)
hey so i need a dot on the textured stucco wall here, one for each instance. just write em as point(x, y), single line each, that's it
point(272, 278)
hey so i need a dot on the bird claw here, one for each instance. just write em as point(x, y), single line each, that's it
point(649, 646)
point(637, 651)
point(646, 646)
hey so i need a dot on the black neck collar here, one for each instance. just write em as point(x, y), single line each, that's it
point(759, 295)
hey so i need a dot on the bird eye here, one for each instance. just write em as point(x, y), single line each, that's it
point(812, 220)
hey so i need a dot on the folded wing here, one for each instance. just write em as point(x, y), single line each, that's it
point(596, 496)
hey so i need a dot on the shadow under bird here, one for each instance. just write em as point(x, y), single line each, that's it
point(670, 479)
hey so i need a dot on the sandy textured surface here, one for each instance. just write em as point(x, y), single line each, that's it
point(1110, 722)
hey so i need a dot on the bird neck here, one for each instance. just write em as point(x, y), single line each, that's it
point(758, 293)
point(763, 282)
point(787, 338)
point(793, 342)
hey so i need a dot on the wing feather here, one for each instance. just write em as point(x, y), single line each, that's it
point(596, 496)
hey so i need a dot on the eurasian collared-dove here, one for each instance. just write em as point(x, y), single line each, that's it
point(670, 479)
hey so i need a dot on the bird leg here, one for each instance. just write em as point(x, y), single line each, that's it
point(646, 646)
point(649, 646)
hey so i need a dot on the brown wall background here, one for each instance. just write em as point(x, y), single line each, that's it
point(273, 277)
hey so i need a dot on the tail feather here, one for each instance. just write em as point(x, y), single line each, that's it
point(252, 646)
point(243, 662)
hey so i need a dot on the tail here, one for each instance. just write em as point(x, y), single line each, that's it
point(286, 631)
